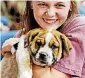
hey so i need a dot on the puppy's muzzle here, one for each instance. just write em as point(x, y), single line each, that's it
point(42, 57)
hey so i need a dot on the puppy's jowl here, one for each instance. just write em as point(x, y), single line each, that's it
point(43, 46)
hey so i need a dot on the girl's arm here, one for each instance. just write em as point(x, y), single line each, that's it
point(6, 49)
point(48, 72)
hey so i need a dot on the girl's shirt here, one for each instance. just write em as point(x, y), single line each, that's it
point(74, 64)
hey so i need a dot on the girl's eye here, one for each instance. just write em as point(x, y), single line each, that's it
point(42, 5)
point(60, 6)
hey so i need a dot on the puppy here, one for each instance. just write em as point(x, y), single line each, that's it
point(45, 48)
point(48, 47)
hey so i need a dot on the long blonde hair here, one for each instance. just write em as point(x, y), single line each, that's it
point(74, 7)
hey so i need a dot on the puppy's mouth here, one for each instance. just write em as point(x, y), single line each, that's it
point(43, 61)
point(40, 60)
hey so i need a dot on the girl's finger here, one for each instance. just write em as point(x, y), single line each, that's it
point(6, 49)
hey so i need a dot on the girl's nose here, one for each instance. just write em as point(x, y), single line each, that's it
point(51, 11)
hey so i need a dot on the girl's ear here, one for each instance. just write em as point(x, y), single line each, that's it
point(70, 6)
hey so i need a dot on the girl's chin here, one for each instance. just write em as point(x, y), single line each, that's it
point(54, 26)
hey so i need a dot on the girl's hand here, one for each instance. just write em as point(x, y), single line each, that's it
point(40, 72)
point(7, 45)
point(6, 49)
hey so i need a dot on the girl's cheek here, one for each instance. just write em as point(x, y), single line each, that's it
point(41, 13)
point(63, 14)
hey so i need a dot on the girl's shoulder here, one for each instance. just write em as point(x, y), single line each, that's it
point(18, 34)
point(77, 19)
point(76, 22)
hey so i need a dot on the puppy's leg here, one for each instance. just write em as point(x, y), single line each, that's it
point(9, 66)
point(23, 60)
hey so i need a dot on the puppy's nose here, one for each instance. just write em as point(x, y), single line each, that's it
point(43, 56)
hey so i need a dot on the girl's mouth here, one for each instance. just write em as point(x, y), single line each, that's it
point(50, 21)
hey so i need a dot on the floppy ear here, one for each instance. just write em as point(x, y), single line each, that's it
point(31, 38)
point(33, 33)
point(66, 45)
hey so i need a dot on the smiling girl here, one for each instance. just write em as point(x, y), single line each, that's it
point(63, 16)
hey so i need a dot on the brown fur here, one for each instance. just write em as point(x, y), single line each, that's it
point(9, 66)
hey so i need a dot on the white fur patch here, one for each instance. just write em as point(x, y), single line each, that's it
point(25, 74)
point(13, 50)
point(48, 37)
point(23, 60)
point(22, 57)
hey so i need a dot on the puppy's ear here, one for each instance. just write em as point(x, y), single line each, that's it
point(66, 45)
point(32, 34)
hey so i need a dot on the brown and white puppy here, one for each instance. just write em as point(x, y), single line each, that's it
point(48, 46)
point(45, 47)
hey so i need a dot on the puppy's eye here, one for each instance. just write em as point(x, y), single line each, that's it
point(38, 43)
point(53, 46)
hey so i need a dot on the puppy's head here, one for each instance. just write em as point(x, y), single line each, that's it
point(47, 47)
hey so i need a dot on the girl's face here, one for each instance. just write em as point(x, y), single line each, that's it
point(50, 14)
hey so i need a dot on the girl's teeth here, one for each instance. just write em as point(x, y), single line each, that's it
point(50, 21)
